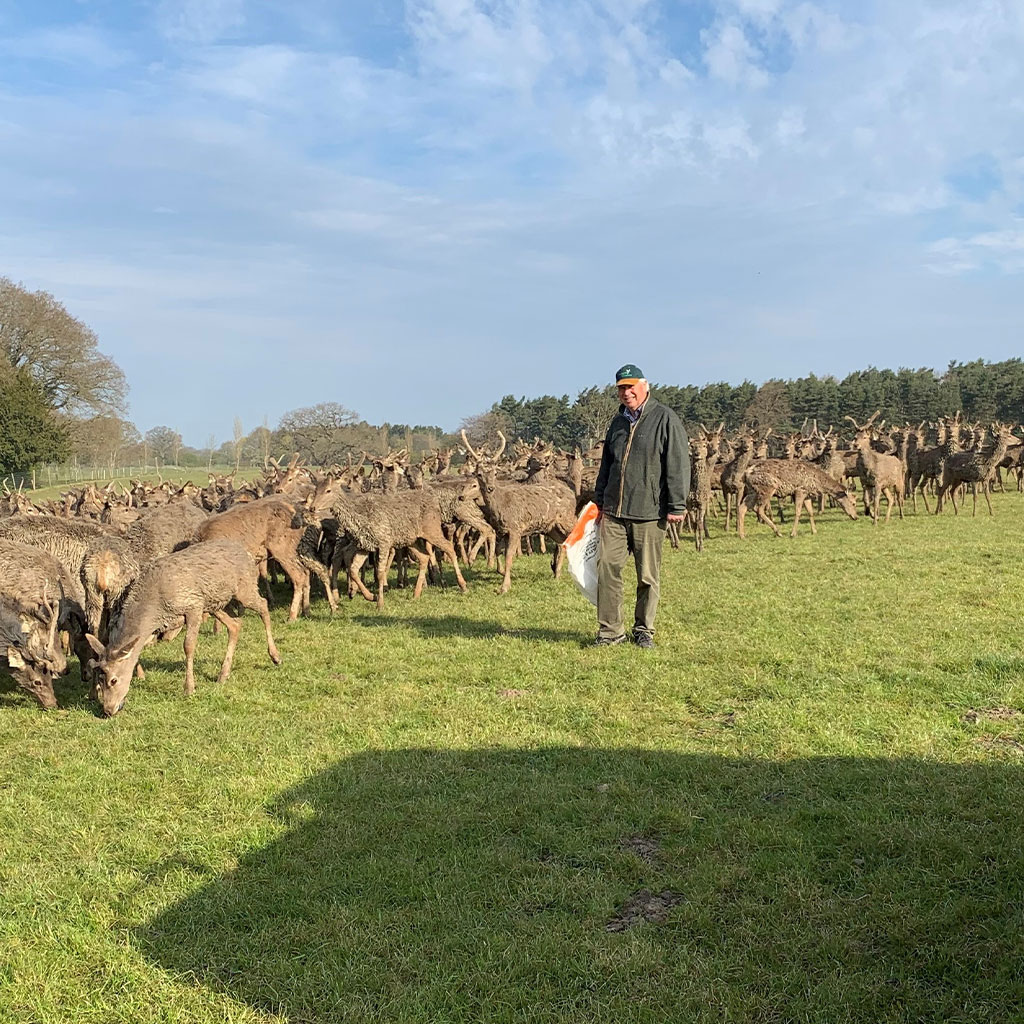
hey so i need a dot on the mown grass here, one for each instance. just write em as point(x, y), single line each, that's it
point(177, 475)
point(433, 814)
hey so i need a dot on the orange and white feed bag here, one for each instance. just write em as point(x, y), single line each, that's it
point(581, 548)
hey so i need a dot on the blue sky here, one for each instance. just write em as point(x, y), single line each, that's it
point(414, 208)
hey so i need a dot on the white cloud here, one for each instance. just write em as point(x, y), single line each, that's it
point(528, 173)
point(1001, 250)
point(199, 21)
point(72, 44)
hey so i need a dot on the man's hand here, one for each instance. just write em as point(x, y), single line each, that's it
point(673, 518)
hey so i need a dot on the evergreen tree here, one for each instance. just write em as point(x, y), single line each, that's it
point(29, 430)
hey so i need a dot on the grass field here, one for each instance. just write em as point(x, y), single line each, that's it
point(177, 475)
point(454, 811)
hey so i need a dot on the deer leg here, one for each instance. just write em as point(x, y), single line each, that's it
point(193, 619)
point(987, 498)
point(355, 576)
point(265, 576)
point(798, 504)
point(298, 576)
point(442, 544)
point(558, 559)
point(761, 512)
point(234, 627)
point(383, 554)
point(423, 560)
point(810, 513)
point(317, 567)
point(974, 495)
point(728, 509)
point(741, 515)
point(511, 549)
point(249, 595)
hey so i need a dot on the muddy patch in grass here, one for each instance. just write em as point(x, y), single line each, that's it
point(643, 906)
point(645, 847)
point(976, 715)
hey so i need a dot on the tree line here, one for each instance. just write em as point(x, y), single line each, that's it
point(61, 400)
point(981, 390)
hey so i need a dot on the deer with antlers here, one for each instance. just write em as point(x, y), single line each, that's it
point(882, 474)
point(516, 510)
point(974, 468)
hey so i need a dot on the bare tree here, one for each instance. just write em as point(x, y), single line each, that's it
point(770, 407)
point(164, 443)
point(40, 335)
point(101, 439)
point(323, 433)
point(479, 428)
point(238, 442)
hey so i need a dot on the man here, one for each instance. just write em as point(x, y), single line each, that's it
point(641, 487)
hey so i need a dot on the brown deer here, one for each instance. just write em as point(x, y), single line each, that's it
point(784, 477)
point(974, 468)
point(883, 474)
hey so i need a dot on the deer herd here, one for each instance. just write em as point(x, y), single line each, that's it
point(104, 574)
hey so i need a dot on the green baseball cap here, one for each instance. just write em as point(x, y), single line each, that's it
point(629, 374)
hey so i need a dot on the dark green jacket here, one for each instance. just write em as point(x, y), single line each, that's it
point(645, 469)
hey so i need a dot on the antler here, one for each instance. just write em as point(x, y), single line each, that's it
point(469, 447)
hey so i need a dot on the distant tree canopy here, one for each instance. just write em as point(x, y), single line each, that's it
point(39, 335)
point(328, 432)
point(30, 432)
point(984, 391)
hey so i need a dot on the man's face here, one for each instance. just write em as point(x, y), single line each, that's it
point(632, 396)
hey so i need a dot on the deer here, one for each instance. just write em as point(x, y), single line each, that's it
point(883, 474)
point(516, 510)
point(974, 468)
point(703, 456)
point(174, 593)
point(797, 477)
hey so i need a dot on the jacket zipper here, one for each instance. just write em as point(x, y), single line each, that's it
point(625, 457)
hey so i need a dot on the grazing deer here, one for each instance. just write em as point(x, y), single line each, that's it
point(176, 592)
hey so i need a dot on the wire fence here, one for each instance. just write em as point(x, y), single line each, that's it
point(57, 475)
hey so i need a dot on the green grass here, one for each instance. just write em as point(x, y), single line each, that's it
point(426, 815)
point(177, 475)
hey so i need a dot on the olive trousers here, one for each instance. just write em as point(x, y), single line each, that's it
point(618, 538)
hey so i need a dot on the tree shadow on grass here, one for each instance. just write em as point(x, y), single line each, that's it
point(463, 626)
point(425, 885)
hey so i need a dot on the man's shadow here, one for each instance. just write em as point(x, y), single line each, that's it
point(605, 885)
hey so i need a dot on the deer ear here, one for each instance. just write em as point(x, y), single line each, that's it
point(14, 658)
point(94, 643)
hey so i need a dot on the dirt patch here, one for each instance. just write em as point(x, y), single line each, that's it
point(727, 719)
point(992, 714)
point(511, 694)
point(643, 906)
point(1002, 742)
point(644, 847)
